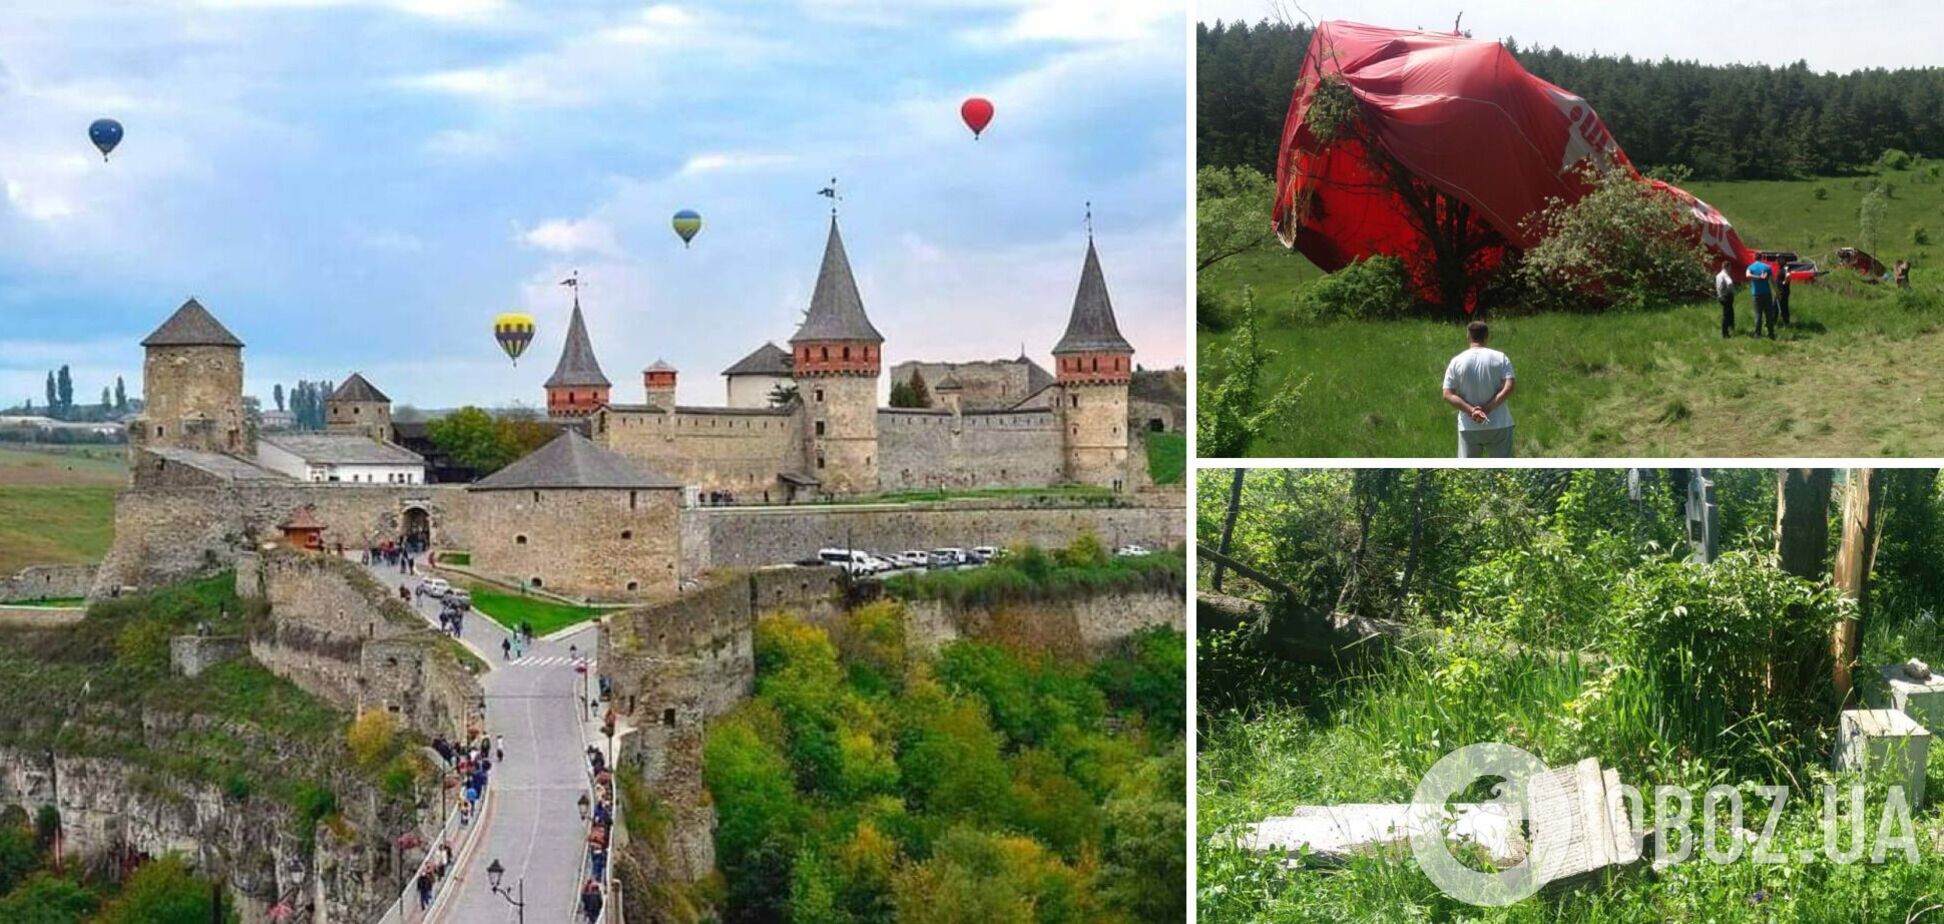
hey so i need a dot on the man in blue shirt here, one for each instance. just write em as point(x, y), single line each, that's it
point(1759, 274)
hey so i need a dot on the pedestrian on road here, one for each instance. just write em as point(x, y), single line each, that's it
point(599, 861)
point(425, 888)
point(506, 649)
point(499, 753)
point(583, 806)
point(591, 901)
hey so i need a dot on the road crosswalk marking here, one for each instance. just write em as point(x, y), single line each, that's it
point(551, 661)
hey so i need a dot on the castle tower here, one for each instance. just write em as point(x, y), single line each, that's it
point(836, 356)
point(577, 387)
point(192, 386)
point(358, 407)
point(659, 380)
point(1095, 364)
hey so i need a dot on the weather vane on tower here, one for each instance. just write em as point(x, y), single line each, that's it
point(830, 192)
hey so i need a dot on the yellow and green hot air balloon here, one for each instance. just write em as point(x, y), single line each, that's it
point(513, 331)
point(687, 222)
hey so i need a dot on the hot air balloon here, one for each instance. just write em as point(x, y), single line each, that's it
point(977, 113)
point(105, 133)
point(513, 331)
point(687, 222)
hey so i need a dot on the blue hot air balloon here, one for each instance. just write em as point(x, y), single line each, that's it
point(687, 222)
point(105, 133)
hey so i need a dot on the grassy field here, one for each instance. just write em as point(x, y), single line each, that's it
point(1858, 374)
point(57, 504)
point(1167, 457)
point(511, 609)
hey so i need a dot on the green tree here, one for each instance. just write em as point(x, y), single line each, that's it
point(45, 899)
point(1231, 213)
point(1624, 243)
point(471, 437)
point(64, 383)
point(782, 394)
point(758, 816)
point(53, 396)
point(277, 393)
point(903, 396)
point(163, 891)
point(1869, 218)
point(18, 856)
point(121, 396)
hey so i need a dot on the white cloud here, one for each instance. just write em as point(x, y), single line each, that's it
point(570, 236)
point(466, 144)
point(449, 10)
point(504, 84)
point(40, 207)
point(732, 160)
point(1086, 21)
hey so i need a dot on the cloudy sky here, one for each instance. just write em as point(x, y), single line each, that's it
point(1832, 35)
point(364, 184)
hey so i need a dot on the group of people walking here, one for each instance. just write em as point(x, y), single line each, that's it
point(472, 763)
point(514, 646)
point(393, 554)
point(599, 812)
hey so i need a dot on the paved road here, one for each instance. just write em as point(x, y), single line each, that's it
point(534, 829)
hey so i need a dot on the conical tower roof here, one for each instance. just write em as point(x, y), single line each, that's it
point(577, 368)
point(836, 310)
point(1091, 328)
point(572, 461)
point(192, 325)
point(356, 388)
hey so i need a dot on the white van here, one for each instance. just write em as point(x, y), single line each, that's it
point(855, 561)
point(436, 588)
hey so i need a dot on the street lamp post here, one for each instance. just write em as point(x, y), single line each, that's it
point(494, 873)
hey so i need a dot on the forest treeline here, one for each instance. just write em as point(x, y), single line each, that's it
point(1739, 122)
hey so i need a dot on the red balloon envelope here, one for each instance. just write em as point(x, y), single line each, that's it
point(1457, 113)
point(977, 113)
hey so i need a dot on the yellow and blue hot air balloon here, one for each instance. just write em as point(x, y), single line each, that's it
point(687, 222)
point(514, 331)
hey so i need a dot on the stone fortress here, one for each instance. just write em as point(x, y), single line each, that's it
point(634, 499)
point(834, 440)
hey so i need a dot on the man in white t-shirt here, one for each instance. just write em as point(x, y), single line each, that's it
point(1477, 382)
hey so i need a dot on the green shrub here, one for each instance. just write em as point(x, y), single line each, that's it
point(1624, 244)
point(1919, 235)
point(1230, 413)
point(1821, 193)
point(1893, 159)
point(1378, 287)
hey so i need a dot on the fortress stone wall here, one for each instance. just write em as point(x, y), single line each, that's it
point(730, 450)
point(579, 542)
point(939, 449)
point(1095, 418)
point(337, 633)
point(167, 534)
point(47, 582)
point(732, 537)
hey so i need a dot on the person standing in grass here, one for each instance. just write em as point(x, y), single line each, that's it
point(1477, 382)
point(1725, 292)
point(1782, 292)
point(1759, 274)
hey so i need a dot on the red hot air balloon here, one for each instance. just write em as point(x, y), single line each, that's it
point(977, 113)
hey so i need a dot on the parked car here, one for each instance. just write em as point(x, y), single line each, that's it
point(458, 599)
point(436, 588)
point(913, 558)
point(947, 558)
point(984, 553)
point(1132, 551)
